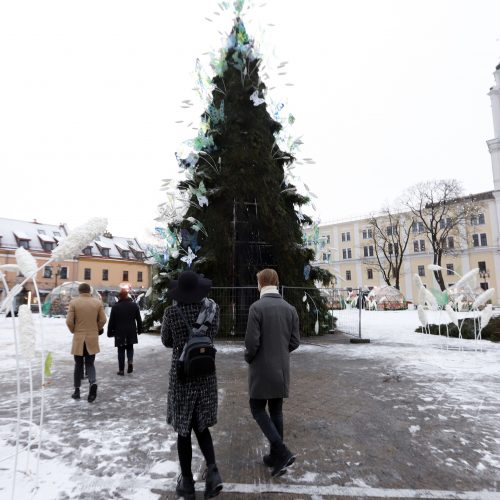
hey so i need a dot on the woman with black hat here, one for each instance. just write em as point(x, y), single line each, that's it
point(192, 402)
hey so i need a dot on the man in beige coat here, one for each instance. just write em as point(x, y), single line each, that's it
point(85, 320)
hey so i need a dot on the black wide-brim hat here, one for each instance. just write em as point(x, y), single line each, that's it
point(189, 288)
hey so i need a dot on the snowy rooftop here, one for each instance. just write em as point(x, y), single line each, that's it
point(12, 230)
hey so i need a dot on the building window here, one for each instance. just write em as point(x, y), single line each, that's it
point(24, 244)
point(47, 272)
point(105, 252)
point(125, 276)
point(477, 220)
point(418, 227)
point(484, 286)
point(105, 275)
point(482, 266)
point(367, 234)
point(348, 275)
point(419, 245)
point(445, 223)
point(48, 246)
point(451, 242)
point(479, 240)
point(326, 257)
point(87, 251)
point(346, 236)
point(392, 230)
point(41, 231)
point(368, 251)
point(63, 273)
point(87, 273)
point(421, 270)
point(369, 272)
point(57, 233)
point(139, 273)
point(346, 253)
point(449, 269)
point(126, 254)
point(326, 238)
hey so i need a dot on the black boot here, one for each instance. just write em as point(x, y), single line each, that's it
point(120, 372)
point(76, 394)
point(185, 487)
point(270, 458)
point(92, 393)
point(213, 481)
point(130, 368)
point(284, 459)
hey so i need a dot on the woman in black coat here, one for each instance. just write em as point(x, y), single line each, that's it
point(192, 402)
point(124, 324)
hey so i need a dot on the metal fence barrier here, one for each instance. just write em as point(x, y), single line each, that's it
point(342, 307)
point(342, 312)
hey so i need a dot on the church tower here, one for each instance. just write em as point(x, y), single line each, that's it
point(494, 144)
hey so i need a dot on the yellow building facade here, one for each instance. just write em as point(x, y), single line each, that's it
point(105, 263)
point(346, 249)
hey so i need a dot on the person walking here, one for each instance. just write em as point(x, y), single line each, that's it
point(85, 320)
point(192, 402)
point(272, 333)
point(124, 324)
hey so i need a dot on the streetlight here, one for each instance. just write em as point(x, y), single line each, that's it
point(56, 274)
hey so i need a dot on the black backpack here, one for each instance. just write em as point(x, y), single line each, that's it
point(198, 356)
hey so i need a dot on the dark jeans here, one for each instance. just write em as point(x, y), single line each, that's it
point(121, 356)
point(89, 367)
point(185, 450)
point(270, 424)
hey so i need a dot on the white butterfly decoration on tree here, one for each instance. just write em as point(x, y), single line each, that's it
point(200, 192)
point(189, 258)
point(257, 101)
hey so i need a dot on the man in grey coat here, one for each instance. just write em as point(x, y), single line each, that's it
point(272, 333)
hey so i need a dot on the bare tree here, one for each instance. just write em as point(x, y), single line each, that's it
point(391, 231)
point(442, 212)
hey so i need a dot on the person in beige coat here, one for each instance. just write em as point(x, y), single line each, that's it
point(85, 321)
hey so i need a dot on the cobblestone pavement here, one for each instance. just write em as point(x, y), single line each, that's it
point(360, 426)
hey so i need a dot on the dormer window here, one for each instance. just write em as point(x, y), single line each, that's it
point(23, 240)
point(104, 252)
point(87, 251)
point(48, 246)
point(123, 250)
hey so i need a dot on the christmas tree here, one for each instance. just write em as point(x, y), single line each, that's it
point(237, 211)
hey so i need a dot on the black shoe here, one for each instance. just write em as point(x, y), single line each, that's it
point(282, 461)
point(185, 487)
point(268, 460)
point(76, 394)
point(213, 481)
point(120, 372)
point(92, 393)
point(130, 368)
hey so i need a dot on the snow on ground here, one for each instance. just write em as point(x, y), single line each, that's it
point(466, 371)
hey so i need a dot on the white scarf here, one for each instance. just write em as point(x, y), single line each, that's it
point(268, 289)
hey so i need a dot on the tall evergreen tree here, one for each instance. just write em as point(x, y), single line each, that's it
point(242, 213)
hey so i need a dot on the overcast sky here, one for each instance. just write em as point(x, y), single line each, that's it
point(385, 94)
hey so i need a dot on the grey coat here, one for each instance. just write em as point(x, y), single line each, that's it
point(192, 402)
point(272, 333)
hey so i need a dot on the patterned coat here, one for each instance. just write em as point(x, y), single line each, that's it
point(192, 402)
